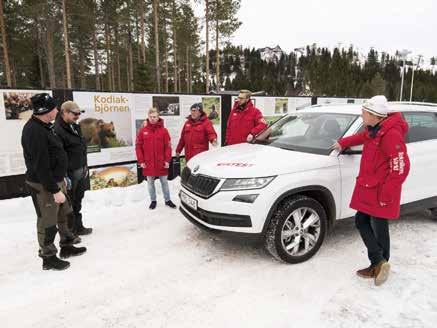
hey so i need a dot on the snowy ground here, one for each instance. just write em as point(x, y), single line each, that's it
point(155, 269)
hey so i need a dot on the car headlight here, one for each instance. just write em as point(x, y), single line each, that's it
point(248, 183)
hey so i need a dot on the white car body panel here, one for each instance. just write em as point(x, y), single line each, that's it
point(293, 169)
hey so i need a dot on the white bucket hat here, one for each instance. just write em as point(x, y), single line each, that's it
point(377, 105)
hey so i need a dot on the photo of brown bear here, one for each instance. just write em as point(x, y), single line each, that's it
point(96, 132)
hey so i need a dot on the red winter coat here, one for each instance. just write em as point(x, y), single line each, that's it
point(384, 167)
point(153, 148)
point(241, 123)
point(195, 136)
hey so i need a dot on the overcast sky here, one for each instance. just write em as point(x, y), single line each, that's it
point(387, 25)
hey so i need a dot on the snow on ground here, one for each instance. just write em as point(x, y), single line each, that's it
point(155, 269)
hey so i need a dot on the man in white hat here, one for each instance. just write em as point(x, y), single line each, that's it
point(384, 167)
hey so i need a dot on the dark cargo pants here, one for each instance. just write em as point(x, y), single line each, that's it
point(52, 217)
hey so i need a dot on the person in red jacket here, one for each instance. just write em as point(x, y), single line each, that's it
point(384, 167)
point(196, 134)
point(245, 120)
point(153, 150)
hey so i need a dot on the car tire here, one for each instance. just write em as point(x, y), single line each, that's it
point(285, 231)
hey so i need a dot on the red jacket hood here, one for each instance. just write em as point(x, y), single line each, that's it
point(394, 121)
point(159, 124)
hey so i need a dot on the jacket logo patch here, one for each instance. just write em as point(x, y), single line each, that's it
point(398, 163)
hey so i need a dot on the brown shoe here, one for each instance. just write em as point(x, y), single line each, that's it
point(367, 273)
point(381, 272)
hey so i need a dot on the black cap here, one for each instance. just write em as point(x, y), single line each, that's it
point(42, 103)
point(197, 106)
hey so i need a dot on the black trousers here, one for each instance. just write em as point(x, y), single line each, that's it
point(79, 183)
point(376, 236)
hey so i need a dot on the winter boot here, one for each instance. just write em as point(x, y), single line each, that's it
point(67, 251)
point(381, 272)
point(367, 272)
point(81, 231)
point(169, 203)
point(54, 263)
point(152, 205)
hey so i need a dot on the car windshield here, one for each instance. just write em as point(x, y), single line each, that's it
point(307, 131)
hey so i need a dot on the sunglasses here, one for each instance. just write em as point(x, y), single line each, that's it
point(76, 113)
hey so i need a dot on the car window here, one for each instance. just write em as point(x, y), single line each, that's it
point(422, 126)
point(307, 131)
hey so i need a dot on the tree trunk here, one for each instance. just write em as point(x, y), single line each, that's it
point(175, 49)
point(131, 62)
point(165, 67)
point(13, 72)
point(5, 47)
point(127, 72)
point(217, 54)
point(187, 75)
point(41, 68)
point(155, 24)
point(66, 44)
point(82, 69)
point(108, 57)
point(96, 60)
point(142, 33)
point(207, 46)
point(179, 74)
point(50, 55)
point(117, 58)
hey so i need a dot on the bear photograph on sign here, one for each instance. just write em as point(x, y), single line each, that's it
point(107, 122)
point(167, 105)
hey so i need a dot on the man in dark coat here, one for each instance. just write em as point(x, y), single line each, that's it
point(46, 163)
point(69, 132)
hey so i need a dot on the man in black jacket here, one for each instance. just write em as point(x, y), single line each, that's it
point(46, 163)
point(75, 146)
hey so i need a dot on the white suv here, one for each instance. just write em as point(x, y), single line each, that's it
point(289, 187)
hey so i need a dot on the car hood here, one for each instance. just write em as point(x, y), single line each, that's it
point(252, 160)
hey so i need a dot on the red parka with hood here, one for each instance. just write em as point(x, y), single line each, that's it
point(242, 122)
point(153, 149)
point(196, 136)
point(384, 167)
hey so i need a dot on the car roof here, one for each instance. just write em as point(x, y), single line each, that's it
point(355, 109)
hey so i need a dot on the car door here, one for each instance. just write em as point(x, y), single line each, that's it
point(349, 162)
point(422, 151)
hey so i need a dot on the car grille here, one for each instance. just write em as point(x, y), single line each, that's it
point(201, 185)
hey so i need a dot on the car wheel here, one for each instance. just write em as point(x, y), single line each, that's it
point(297, 230)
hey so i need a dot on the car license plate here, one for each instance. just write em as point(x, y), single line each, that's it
point(189, 201)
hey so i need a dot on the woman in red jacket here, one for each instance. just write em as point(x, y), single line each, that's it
point(196, 134)
point(153, 150)
point(384, 167)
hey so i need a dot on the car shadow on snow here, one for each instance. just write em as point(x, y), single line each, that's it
point(343, 233)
